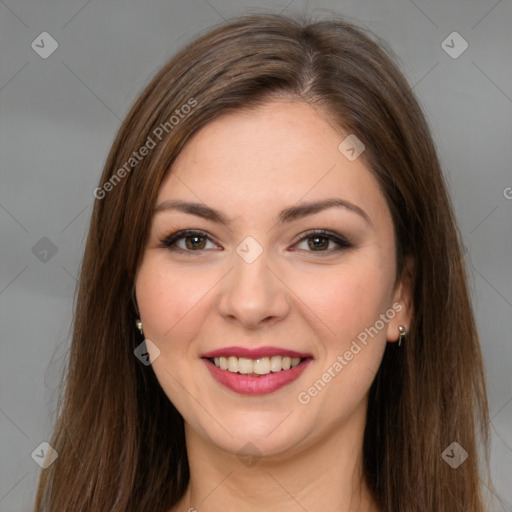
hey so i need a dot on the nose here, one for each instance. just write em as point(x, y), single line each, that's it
point(253, 295)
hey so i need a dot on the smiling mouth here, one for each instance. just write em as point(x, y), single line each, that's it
point(257, 367)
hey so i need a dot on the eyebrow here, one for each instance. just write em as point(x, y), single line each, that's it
point(287, 215)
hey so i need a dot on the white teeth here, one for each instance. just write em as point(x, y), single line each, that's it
point(245, 365)
point(275, 364)
point(232, 364)
point(262, 366)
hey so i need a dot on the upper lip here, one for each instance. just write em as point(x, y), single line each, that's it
point(254, 353)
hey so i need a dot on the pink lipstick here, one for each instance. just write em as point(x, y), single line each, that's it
point(256, 371)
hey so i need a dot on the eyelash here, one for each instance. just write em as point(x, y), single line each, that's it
point(169, 242)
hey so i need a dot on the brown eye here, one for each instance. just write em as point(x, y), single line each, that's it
point(318, 242)
point(195, 241)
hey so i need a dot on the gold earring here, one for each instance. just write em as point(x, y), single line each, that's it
point(401, 334)
point(138, 323)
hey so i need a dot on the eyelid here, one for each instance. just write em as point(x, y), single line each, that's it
point(169, 241)
point(341, 241)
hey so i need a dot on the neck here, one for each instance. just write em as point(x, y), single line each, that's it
point(325, 475)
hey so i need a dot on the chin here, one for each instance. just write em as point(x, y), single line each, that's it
point(258, 436)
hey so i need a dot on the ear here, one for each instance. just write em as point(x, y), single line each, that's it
point(402, 302)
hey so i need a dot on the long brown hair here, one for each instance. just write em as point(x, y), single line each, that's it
point(119, 438)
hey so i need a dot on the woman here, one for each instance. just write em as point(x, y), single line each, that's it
point(271, 220)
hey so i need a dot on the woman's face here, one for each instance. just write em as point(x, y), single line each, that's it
point(258, 289)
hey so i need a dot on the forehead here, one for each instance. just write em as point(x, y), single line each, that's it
point(267, 158)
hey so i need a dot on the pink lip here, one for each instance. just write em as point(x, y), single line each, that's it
point(254, 353)
point(256, 385)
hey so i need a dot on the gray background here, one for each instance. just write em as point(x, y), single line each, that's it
point(59, 116)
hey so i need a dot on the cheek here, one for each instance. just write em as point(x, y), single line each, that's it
point(169, 301)
point(345, 300)
point(167, 297)
point(346, 303)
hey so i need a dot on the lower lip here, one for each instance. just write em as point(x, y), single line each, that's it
point(252, 385)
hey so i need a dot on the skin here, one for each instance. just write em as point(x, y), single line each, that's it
point(308, 456)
